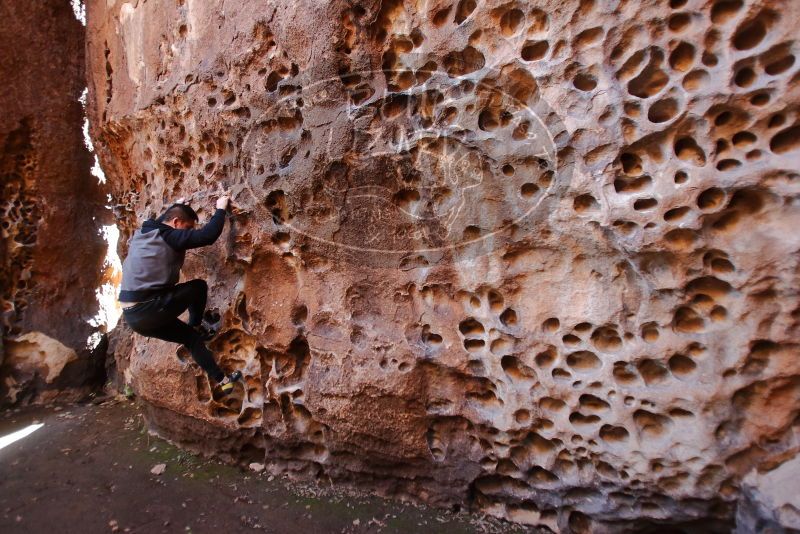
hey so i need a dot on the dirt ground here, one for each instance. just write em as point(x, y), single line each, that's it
point(88, 469)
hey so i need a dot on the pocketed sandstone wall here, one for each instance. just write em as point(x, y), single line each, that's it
point(534, 258)
point(52, 208)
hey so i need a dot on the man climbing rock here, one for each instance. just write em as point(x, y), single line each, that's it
point(150, 295)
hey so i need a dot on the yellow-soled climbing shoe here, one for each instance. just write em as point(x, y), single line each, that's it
point(227, 386)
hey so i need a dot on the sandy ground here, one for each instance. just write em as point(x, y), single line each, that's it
point(88, 469)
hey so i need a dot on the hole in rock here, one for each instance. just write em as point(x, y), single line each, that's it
point(624, 373)
point(534, 50)
point(681, 365)
point(711, 199)
point(471, 326)
point(546, 358)
point(473, 345)
point(584, 203)
point(776, 120)
point(663, 110)
point(511, 21)
point(760, 99)
point(464, 62)
point(606, 339)
point(743, 139)
point(634, 185)
point(651, 425)
point(561, 374)
point(687, 320)
point(678, 22)
point(752, 32)
point(487, 121)
point(516, 369)
point(528, 190)
point(681, 238)
point(522, 416)
point(582, 327)
point(682, 57)
point(614, 434)
point(686, 148)
point(551, 404)
point(650, 332)
point(786, 140)
point(744, 77)
point(676, 214)
point(441, 16)
point(644, 204)
point(728, 164)
point(508, 317)
point(464, 10)
point(652, 372)
point(583, 360)
point(584, 82)
point(590, 403)
point(551, 325)
point(578, 419)
point(724, 10)
point(631, 164)
point(780, 66)
point(695, 80)
point(495, 300)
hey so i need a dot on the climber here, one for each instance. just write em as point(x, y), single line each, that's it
point(152, 299)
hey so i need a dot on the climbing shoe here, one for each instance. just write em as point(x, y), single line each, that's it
point(209, 325)
point(206, 331)
point(226, 386)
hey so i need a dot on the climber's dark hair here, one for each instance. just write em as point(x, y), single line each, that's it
point(181, 211)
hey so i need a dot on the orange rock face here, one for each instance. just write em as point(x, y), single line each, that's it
point(51, 249)
point(536, 258)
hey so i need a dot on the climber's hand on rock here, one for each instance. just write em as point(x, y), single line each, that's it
point(222, 201)
point(181, 200)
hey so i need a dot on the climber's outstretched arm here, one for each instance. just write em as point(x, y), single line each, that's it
point(184, 239)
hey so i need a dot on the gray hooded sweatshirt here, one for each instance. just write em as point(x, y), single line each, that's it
point(155, 256)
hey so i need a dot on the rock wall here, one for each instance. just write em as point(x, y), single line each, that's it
point(536, 258)
point(51, 251)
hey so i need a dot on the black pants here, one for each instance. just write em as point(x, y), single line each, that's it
point(159, 318)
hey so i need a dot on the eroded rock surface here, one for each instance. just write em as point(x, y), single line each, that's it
point(51, 207)
point(537, 258)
